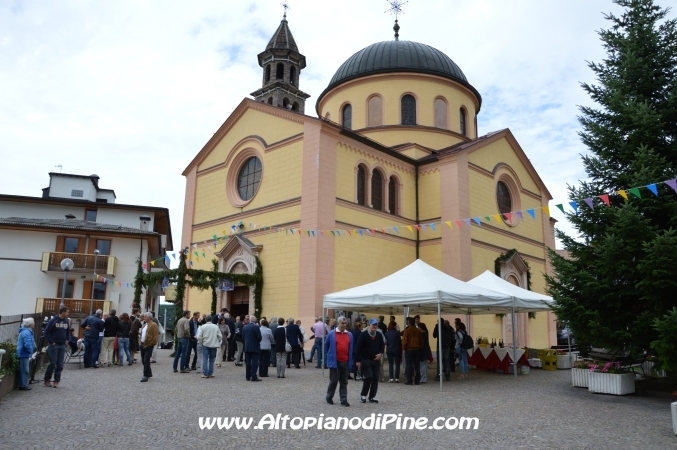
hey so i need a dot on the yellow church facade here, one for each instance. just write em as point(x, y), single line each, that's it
point(347, 197)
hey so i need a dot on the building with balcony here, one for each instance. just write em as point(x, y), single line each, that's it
point(76, 219)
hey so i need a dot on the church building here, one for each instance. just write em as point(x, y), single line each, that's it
point(390, 167)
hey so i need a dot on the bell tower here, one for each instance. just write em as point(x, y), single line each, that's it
point(282, 64)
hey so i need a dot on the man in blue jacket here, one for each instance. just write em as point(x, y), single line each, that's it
point(339, 350)
point(24, 350)
point(93, 325)
point(251, 335)
point(56, 332)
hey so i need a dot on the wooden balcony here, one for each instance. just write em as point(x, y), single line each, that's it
point(79, 308)
point(83, 263)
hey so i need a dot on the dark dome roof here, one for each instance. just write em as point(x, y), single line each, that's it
point(398, 56)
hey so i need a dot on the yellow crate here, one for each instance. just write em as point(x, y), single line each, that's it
point(550, 363)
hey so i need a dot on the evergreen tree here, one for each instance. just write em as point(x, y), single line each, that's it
point(622, 274)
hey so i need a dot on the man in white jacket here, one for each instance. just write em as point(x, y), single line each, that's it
point(210, 337)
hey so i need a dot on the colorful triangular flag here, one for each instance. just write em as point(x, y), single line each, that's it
point(574, 205)
point(653, 188)
point(605, 199)
point(672, 184)
point(532, 213)
point(635, 192)
point(623, 194)
point(561, 207)
point(589, 202)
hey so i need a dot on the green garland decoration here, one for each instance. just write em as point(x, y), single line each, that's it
point(202, 280)
point(497, 270)
point(258, 288)
point(138, 284)
point(214, 284)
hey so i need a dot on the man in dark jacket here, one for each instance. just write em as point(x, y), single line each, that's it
point(369, 353)
point(280, 347)
point(56, 332)
point(448, 344)
point(93, 325)
point(295, 338)
point(192, 346)
point(251, 335)
point(110, 330)
point(231, 340)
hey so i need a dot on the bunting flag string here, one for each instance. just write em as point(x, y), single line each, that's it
point(199, 249)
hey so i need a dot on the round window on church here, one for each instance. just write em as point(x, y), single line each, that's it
point(249, 178)
point(503, 198)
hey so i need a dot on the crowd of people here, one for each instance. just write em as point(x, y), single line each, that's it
point(349, 354)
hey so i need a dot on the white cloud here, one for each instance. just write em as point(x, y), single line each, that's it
point(132, 90)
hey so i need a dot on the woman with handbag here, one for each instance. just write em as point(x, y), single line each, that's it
point(281, 344)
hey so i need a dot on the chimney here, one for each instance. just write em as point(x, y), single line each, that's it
point(145, 221)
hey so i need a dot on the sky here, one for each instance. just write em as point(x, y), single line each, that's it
point(132, 90)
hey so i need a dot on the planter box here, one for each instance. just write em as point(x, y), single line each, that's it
point(8, 384)
point(673, 407)
point(579, 377)
point(648, 368)
point(564, 361)
point(611, 383)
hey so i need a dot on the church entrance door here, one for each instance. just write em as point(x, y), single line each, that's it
point(240, 301)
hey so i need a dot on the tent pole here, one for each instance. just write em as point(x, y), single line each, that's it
point(440, 358)
point(514, 340)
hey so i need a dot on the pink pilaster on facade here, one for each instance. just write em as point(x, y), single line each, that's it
point(318, 203)
point(456, 249)
point(189, 208)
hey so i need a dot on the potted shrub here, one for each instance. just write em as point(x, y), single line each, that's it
point(580, 373)
point(611, 379)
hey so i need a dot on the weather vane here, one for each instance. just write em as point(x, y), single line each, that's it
point(396, 8)
point(286, 6)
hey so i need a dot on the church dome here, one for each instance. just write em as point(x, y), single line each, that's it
point(398, 56)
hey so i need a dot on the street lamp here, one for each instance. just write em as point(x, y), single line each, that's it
point(66, 265)
point(91, 300)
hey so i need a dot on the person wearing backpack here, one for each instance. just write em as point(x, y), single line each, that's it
point(461, 350)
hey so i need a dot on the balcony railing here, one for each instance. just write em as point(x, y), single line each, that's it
point(83, 263)
point(50, 306)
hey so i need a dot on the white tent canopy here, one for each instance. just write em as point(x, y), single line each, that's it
point(525, 301)
point(428, 291)
point(420, 287)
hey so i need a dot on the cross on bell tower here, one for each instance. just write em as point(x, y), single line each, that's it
point(282, 64)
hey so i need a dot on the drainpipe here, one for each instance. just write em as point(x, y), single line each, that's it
point(417, 232)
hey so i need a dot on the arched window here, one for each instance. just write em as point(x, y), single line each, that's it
point(408, 110)
point(295, 106)
point(377, 190)
point(292, 75)
point(347, 117)
point(440, 113)
point(503, 199)
point(270, 100)
point(267, 73)
point(361, 185)
point(285, 103)
point(280, 71)
point(375, 111)
point(249, 178)
point(462, 115)
point(392, 195)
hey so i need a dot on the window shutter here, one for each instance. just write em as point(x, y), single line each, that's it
point(91, 246)
point(81, 245)
point(60, 242)
point(87, 289)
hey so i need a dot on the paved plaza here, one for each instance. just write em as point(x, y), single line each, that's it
point(110, 408)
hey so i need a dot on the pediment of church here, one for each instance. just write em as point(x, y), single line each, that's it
point(238, 255)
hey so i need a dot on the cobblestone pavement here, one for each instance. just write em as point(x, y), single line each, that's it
point(109, 406)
